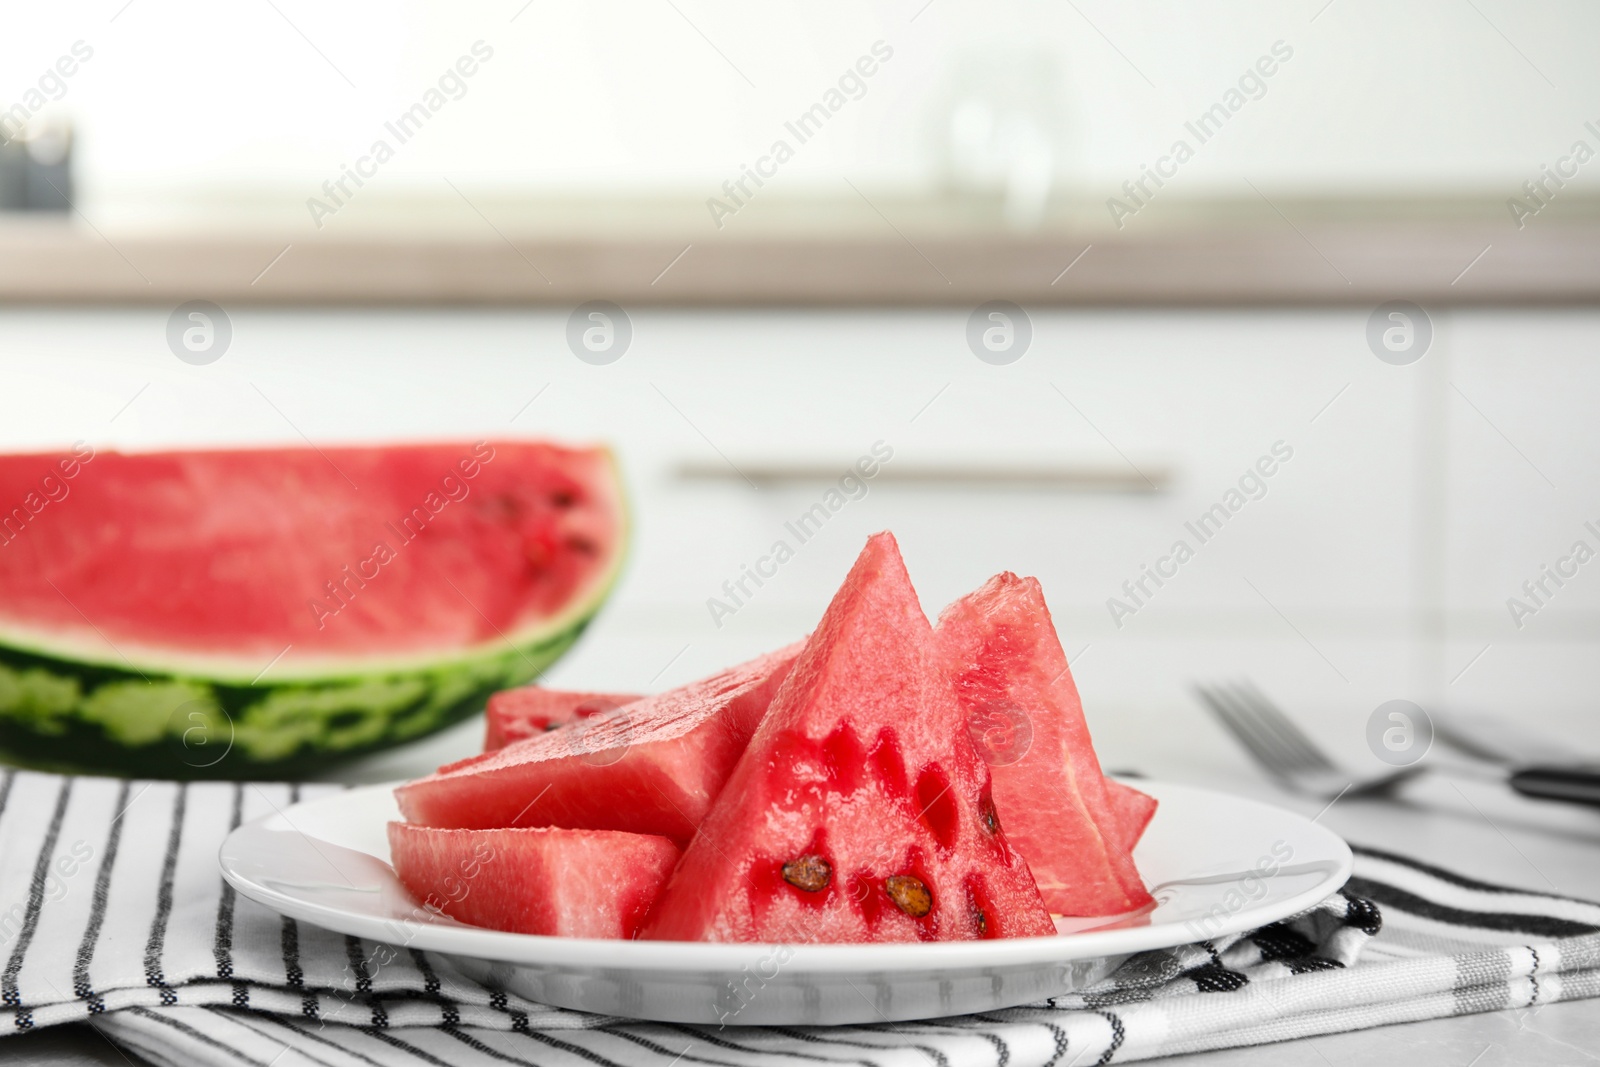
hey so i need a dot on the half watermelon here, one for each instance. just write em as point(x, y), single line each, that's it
point(257, 613)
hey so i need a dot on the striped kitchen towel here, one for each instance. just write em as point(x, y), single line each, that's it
point(112, 911)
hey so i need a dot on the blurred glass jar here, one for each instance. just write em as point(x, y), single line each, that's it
point(36, 165)
point(1001, 130)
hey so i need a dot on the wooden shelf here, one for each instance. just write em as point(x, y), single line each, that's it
point(1252, 262)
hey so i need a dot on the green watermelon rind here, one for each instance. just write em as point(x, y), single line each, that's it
point(58, 714)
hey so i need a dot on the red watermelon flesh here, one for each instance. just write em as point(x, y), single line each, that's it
point(860, 811)
point(563, 883)
point(530, 710)
point(1011, 677)
point(650, 767)
point(1131, 812)
point(217, 561)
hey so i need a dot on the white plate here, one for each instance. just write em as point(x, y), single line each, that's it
point(1216, 865)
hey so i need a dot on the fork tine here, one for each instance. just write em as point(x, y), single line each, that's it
point(1284, 760)
point(1221, 705)
point(1275, 719)
point(1211, 700)
point(1290, 758)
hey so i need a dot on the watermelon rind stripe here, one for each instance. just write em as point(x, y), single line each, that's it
point(60, 714)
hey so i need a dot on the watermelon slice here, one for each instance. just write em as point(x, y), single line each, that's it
point(256, 613)
point(860, 811)
point(514, 714)
point(1131, 812)
point(650, 767)
point(1011, 677)
point(565, 883)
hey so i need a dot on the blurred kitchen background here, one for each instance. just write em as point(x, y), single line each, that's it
point(1170, 317)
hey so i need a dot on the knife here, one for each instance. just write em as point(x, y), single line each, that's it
point(1538, 765)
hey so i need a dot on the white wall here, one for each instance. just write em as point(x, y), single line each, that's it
point(197, 98)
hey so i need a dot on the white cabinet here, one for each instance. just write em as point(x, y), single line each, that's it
point(1372, 563)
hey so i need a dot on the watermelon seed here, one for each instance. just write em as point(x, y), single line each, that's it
point(502, 506)
point(810, 872)
point(909, 894)
point(991, 819)
point(981, 919)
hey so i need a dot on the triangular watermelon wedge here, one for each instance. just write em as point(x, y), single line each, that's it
point(859, 811)
point(530, 710)
point(1011, 677)
point(1131, 812)
point(560, 883)
point(650, 767)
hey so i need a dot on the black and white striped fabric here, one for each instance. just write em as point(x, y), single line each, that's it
point(112, 911)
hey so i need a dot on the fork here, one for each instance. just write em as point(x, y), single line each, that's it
point(1283, 749)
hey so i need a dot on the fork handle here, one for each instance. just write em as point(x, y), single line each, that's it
point(1575, 784)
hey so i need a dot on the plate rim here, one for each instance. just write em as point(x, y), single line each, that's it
point(592, 954)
